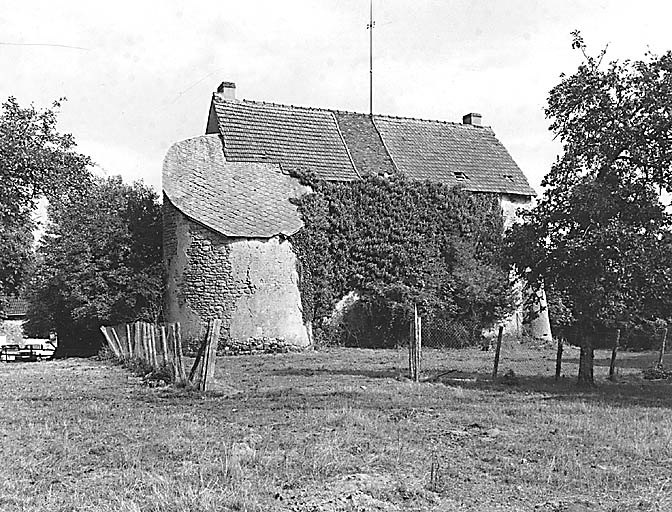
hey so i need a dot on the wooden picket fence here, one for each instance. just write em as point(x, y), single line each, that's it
point(160, 347)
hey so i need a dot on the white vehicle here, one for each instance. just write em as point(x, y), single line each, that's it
point(9, 353)
point(37, 350)
point(31, 350)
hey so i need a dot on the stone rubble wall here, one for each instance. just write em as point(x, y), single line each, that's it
point(250, 284)
point(256, 345)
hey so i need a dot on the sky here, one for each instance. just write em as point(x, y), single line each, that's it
point(138, 76)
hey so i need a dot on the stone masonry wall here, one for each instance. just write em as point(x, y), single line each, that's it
point(170, 218)
point(250, 284)
point(198, 276)
point(206, 286)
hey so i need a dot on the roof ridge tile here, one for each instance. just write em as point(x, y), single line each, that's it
point(301, 137)
point(341, 111)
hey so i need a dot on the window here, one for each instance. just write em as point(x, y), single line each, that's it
point(460, 176)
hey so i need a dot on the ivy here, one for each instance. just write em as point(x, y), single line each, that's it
point(398, 242)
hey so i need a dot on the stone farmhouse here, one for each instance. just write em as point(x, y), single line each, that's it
point(227, 209)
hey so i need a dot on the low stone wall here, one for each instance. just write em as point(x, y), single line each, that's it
point(257, 345)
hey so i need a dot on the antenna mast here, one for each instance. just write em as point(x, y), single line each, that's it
point(370, 28)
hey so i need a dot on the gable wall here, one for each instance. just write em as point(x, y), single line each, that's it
point(510, 204)
point(212, 126)
point(531, 304)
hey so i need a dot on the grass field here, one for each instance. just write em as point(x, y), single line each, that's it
point(336, 430)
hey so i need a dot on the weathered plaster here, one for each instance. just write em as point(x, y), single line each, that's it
point(539, 321)
point(513, 324)
point(271, 304)
point(532, 305)
point(510, 204)
point(250, 284)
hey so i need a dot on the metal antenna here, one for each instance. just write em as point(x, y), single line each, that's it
point(369, 27)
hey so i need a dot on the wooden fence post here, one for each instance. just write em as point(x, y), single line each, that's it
point(110, 342)
point(614, 352)
point(210, 355)
point(129, 341)
point(418, 345)
point(122, 347)
point(173, 352)
point(157, 345)
point(137, 338)
point(137, 345)
point(416, 371)
point(155, 348)
point(415, 347)
point(498, 349)
point(182, 375)
point(411, 341)
point(558, 359)
point(152, 344)
point(662, 348)
point(164, 345)
point(196, 367)
point(145, 343)
point(148, 343)
point(142, 353)
point(161, 340)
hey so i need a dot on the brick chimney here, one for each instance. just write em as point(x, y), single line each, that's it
point(227, 90)
point(472, 118)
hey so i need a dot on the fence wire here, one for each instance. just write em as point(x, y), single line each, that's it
point(461, 351)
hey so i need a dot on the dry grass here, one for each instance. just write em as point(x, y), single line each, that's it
point(340, 430)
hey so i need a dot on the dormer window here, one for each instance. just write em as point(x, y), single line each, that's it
point(508, 177)
point(460, 176)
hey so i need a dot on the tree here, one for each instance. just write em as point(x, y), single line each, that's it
point(100, 263)
point(35, 161)
point(599, 236)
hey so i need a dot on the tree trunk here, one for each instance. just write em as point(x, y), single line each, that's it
point(586, 364)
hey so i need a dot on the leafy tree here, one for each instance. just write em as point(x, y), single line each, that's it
point(100, 263)
point(599, 236)
point(35, 161)
point(399, 242)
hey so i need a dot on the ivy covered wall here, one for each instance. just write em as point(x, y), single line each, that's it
point(398, 242)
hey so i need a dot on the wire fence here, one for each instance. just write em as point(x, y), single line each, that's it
point(459, 350)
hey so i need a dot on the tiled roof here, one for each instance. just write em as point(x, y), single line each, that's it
point(297, 138)
point(236, 181)
point(364, 142)
point(452, 153)
point(15, 307)
point(330, 142)
point(237, 199)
